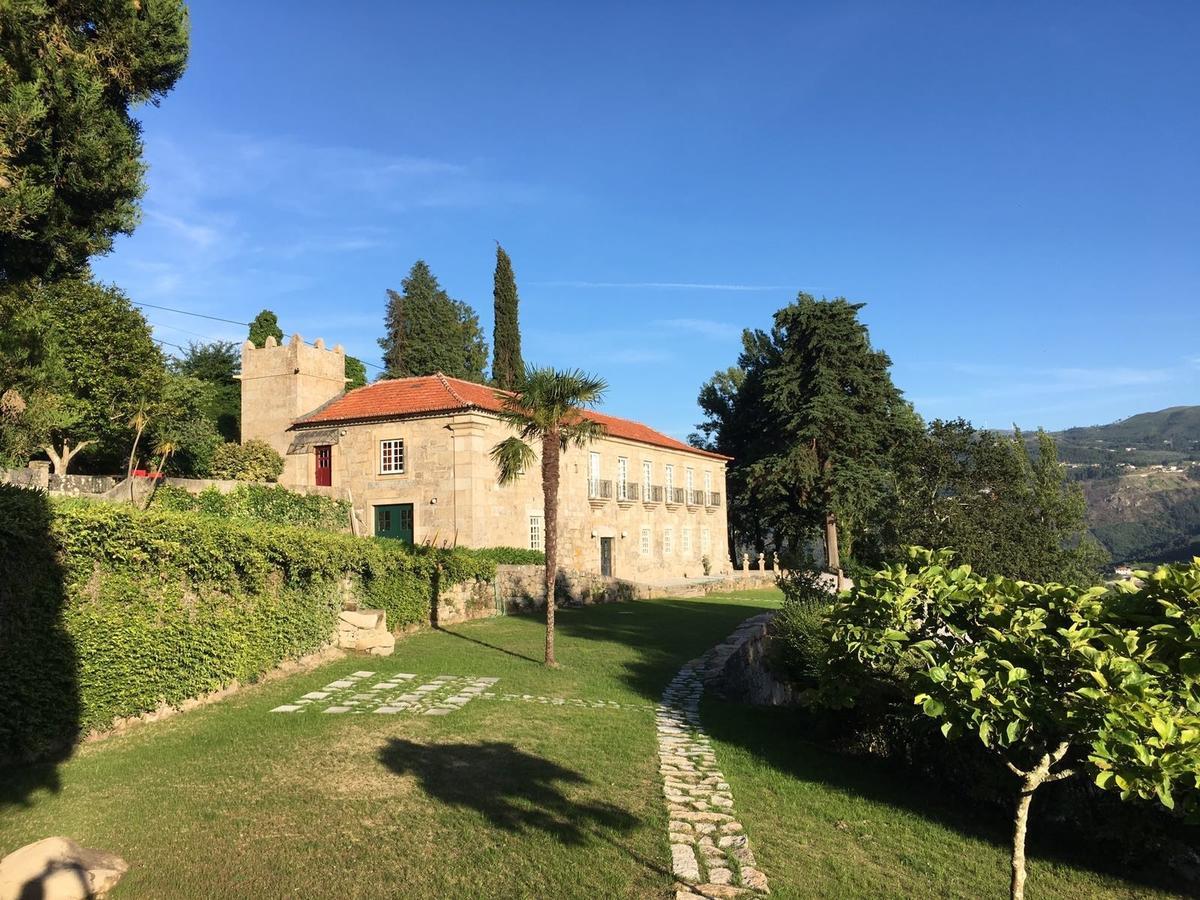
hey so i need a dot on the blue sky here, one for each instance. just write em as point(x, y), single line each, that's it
point(1013, 189)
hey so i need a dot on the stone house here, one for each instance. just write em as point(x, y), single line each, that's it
point(412, 455)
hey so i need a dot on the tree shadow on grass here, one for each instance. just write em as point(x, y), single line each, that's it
point(498, 649)
point(665, 633)
point(514, 790)
point(782, 738)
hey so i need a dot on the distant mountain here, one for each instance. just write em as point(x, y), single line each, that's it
point(1141, 478)
point(1169, 435)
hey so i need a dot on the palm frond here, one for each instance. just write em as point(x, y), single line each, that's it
point(582, 432)
point(512, 457)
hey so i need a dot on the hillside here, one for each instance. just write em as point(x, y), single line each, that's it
point(1146, 515)
point(1167, 436)
point(1138, 508)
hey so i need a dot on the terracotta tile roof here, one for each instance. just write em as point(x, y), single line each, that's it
point(402, 397)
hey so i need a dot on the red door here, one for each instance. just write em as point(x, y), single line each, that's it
point(324, 465)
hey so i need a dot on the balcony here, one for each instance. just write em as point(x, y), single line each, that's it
point(695, 498)
point(600, 491)
point(627, 492)
point(675, 496)
point(713, 499)
point(652, 493)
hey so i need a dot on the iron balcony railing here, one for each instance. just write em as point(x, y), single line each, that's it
point(713, 499)
point(652, 493)
point(627, 490)
point(695, 498)
point(600, 489)
point(675, 495)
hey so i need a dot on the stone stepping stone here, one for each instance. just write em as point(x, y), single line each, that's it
point(316, 695)
point(337, 709)
point(287, 707)
point(344, 683)
point(362, 674)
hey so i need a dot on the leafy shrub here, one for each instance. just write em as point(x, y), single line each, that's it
point(273, 504)
point(253, 460)
point(1053, 679)
point(511, 556)
point(108, 611)
point(799, 638)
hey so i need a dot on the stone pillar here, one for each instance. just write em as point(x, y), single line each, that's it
point(746, 563)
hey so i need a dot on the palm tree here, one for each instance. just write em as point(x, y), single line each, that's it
point(548, 409)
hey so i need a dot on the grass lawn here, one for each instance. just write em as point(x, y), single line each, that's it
point(513, 799)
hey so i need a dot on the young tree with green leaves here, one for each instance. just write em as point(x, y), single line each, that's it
point(427, 331)
point(216, 364)
point(356, 373)
point(265, 325)
point(71, 170)
point(549, 410)
point(1053, 679)
point(107, 367)
point(507, 365)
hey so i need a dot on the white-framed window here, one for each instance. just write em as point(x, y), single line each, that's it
point(647, 478)
point(668, 540)
point(622, 478)
point(391, 457)
point(707, 482)
point(689, 478)
point(645, 545)
point(537, 533)
point(685, 541)
point(669, 478)
point(705, 540)
point(594, 474)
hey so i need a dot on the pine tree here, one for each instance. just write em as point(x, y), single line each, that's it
point(507, 366)
point(71, 170)
point(265, 325)
point(427, 331)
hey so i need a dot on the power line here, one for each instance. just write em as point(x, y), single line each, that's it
point(184, 312)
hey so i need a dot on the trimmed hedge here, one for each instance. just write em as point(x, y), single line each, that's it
point(107, 611)
point(271, 503)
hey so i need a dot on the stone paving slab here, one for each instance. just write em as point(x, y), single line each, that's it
point(566, 701)
point(368, 692)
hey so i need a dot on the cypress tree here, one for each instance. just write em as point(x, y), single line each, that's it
point(507, 366)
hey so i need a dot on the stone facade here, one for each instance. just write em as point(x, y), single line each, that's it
point(451, 482)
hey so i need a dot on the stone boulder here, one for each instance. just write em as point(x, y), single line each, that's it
point(365, 630)
point(57, 868)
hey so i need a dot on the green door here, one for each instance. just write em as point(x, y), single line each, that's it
point(395, 521)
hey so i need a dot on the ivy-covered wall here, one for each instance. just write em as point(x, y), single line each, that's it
point(107, 611)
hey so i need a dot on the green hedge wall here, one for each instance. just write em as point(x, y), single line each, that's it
point(107, 611)
point(269, 503)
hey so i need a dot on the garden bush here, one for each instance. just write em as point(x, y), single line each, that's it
point(273, 504)
point(253, 460)
point(107, 611)
point(799, 637)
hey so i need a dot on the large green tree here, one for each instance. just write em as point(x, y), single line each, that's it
point(107, 368)
point(811, 417)
point(1005, 509)
point(548, 411)
point(216, 364)
point(507, 366)
point(265, 325)
point(71, 169)
point(428, 331)
point(356, 373)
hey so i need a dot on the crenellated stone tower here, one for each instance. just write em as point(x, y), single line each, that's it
point(280, 383)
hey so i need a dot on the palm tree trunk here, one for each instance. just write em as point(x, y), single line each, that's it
point(132, 457)
point(551, 454)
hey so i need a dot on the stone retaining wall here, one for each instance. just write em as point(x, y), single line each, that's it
point(736, 669)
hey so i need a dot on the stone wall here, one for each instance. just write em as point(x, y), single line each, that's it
point(38, 475)
point(736, 669)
